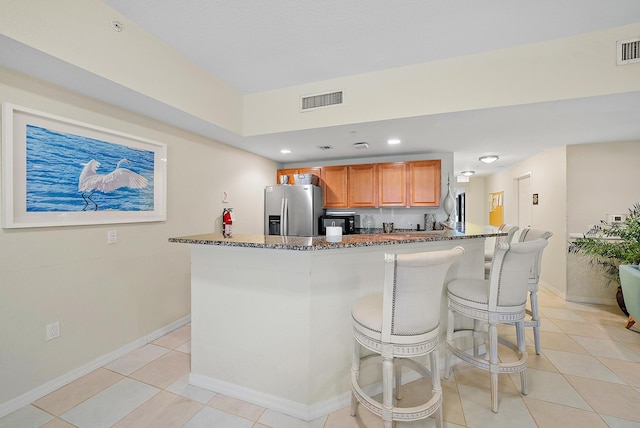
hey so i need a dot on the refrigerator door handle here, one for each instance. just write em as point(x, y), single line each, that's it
point(284, 217)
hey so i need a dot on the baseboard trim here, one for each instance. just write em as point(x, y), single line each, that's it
point(552, 289)
point(593, 300)
point(297, 410)
point(281, 405)
point(48, 387)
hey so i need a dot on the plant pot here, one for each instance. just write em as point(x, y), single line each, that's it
point(620, 300)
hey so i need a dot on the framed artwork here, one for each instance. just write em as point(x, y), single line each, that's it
point(61, 172)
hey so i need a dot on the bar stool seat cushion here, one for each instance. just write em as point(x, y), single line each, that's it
point(367, 314)
point(474, 292)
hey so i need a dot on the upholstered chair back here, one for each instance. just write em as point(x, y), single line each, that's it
point(531, 235)
point(510, 230)
point(413, 291)
point(510, 273)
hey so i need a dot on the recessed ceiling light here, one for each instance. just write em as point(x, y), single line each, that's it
point(393, 141)
point(468, 173)
point(489, 158)
point(285, 151)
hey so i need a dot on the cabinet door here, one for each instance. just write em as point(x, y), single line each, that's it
point(424, 183)
point(392, 184)
point(317, 171)
point(363, 185)
point(334, 186)
point(290, 172)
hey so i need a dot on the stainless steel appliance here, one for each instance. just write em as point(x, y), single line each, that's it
point(347, 222)
point(292, 210)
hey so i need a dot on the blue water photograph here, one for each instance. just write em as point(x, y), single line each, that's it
point(68, 173)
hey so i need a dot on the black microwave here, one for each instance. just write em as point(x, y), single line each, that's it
point(346, 222)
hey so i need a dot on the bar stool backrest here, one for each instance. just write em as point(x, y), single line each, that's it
point(413, 292)
point(510, 273)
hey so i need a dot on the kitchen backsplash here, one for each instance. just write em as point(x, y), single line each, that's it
point(402, 218)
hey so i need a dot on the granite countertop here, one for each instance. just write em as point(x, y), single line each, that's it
point(300, 243)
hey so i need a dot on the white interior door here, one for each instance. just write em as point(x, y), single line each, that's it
point(525, 202)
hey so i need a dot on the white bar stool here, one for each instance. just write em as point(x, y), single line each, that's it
point(510, 231)
point(526, 236)
point(398, 324)
point(500, 299)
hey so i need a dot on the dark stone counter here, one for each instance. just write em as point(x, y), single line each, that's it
point(459, 231)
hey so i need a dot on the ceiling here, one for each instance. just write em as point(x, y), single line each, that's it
point(257, 45)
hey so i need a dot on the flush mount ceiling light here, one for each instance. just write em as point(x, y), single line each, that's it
point(285, 151)
point(468, 173)
point(393, 141)
point(489, 158)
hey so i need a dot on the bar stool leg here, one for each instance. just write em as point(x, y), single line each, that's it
point(533, 296)
point(355, 368)
point(387, 392)
point(447, 353)
point(437, 387)
point(493, 360)
point(398, 369)
point(523, 352)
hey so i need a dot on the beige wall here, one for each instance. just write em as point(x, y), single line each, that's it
point(475, 200)
point(132, 58)
point(578, 185)
point(107, 296)
point(601, 179)
point(548, 175)
point(555, 70)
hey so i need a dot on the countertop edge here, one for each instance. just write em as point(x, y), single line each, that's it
point(320, 243)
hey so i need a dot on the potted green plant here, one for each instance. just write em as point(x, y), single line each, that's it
point(617, 244)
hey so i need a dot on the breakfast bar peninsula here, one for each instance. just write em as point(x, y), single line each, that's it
point(271, 315)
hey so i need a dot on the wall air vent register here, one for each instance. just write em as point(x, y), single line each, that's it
point(628, 51)
point(321, 100)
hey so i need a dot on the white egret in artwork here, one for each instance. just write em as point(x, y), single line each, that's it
point(90, 181)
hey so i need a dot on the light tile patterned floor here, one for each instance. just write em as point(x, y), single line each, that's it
point(588, 376)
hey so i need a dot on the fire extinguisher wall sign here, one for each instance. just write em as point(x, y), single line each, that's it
point(227, 221)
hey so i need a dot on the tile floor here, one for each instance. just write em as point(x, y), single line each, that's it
point(588, 376)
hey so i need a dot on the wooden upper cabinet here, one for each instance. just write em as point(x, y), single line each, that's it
point(312, 170)
point(334, 186)
point(392, 184)
point(388, 184)
point(291, 172)
point(363, 185)
point(424, 183)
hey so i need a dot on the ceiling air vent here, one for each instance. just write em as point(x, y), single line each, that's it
point(361, 145)
point(321, 100)
point(629, 51)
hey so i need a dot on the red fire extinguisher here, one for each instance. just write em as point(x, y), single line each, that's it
point(227, 220)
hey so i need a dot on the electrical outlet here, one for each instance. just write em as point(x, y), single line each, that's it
point(53, 330)
point(112, 236)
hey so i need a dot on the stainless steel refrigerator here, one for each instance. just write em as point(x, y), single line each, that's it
point(292, 210)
